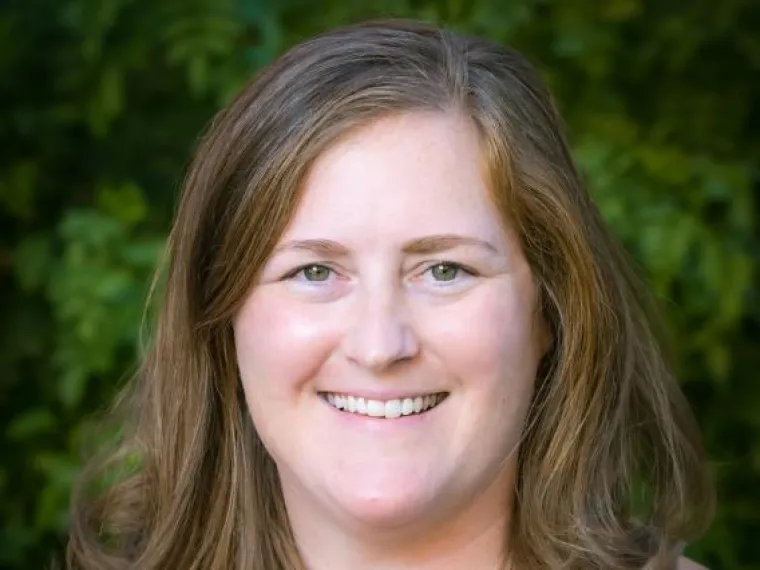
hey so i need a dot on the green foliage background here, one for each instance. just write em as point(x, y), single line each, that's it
point(102, 102)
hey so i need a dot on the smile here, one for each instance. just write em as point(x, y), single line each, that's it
point(389, 409)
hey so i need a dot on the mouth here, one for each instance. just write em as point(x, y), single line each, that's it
point(387, 409)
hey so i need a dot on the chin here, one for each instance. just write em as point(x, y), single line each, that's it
point(389, 510)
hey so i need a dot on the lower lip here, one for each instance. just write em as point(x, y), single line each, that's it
point(375, 423)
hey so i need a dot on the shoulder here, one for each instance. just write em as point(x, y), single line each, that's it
point(686, 564)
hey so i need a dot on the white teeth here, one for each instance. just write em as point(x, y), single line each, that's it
point(393, 409)
point(384, 409)
point(375, 408)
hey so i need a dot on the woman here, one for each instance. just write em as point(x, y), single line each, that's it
point(396, 334)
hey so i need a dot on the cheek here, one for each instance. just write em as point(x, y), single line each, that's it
point(490, 339)
point(280, 343)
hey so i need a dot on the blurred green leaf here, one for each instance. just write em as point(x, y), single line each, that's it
point(125, 203)
point(31, 424)
point(31, 262)
point(17, 189)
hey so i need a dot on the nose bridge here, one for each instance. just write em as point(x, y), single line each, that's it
point(381, 331)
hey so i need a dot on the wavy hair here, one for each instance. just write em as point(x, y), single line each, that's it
point(611, 472)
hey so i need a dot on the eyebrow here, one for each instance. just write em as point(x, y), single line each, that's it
point(443, 242)
point(322, 247)
point(420, 246)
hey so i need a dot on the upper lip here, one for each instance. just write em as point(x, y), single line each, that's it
point(383, 394)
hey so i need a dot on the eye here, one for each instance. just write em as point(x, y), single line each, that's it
point(447, 273)
point(313, 272)
point(444, 271)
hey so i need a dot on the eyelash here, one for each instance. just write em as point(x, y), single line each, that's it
point(468, 271)
point(458, 266)
point(302, 268)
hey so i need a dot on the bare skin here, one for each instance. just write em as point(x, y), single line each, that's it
point(395, 278)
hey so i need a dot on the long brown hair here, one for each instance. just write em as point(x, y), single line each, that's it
point(611, 472)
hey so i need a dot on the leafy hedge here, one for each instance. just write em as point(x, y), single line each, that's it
point(103, 101)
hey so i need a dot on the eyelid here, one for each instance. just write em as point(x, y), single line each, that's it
point(428, 265)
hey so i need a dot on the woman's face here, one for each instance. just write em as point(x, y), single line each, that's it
point(389, 349)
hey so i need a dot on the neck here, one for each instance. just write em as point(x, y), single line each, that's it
point(474, 536)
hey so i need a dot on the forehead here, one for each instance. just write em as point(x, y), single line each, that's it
point(399, 177)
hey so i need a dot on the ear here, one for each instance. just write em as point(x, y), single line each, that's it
point(543, 330)
point(545, 336)
point(544, 339)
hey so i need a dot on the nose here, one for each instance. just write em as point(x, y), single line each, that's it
point(381, 333)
